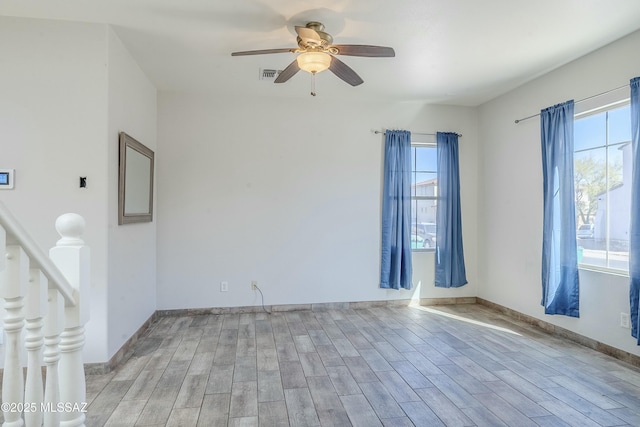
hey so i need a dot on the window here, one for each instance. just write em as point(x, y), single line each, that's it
point(424, 194)
point(602, 176)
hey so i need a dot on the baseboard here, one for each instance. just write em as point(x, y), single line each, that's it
point(448, 301)
point(314, 306)
point(558, 331)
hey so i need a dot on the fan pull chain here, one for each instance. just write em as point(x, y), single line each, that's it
point(313, 84)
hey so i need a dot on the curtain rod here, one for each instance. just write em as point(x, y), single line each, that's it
point(580, 100)
point(416, 133)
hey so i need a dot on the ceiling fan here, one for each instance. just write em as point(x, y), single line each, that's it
point(316, 54)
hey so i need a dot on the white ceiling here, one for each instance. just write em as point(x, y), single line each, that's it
point(461, 52)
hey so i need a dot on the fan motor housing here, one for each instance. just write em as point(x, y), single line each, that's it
point(325, 38)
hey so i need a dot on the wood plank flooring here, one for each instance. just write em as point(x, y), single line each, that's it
point(460, 365)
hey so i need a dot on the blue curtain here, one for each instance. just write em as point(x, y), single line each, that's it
point(634, 233)
point(560, 286)
point(395, 270)
point(450, 270)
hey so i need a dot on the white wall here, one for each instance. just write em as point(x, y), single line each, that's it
point(132, 247)
point(66, 90)
point(53, 109)
point(287, 192)
point(510, 202)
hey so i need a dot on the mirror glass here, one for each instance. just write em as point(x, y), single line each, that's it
point(137, 183)
point(135, 201)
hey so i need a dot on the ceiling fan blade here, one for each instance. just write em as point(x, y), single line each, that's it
point(344, 72)
point(263, 52)
point(288, 72)
point(364, 50)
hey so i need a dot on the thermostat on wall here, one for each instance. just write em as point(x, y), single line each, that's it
point(6, 179)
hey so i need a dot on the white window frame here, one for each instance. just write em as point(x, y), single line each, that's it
point(417, 144)
point(586, 112)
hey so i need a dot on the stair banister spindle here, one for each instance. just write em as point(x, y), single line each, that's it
point(35, 309)
point(53, 327)
point(71, 257)
point(13, 287)
point(3, 247)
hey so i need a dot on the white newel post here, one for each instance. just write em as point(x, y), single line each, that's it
point(35, 309)
point(72, 258)
point(13, 287)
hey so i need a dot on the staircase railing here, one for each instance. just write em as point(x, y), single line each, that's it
point(47, 296)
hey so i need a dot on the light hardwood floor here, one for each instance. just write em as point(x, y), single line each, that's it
point(460, 365)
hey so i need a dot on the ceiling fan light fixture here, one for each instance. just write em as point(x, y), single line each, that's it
point(314, 62)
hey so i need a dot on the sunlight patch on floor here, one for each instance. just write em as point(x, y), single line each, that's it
point(464, 319)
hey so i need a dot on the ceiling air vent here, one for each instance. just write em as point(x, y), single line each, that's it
point(269, 74)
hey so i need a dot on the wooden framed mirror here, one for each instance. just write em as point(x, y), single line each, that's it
point(135, 181)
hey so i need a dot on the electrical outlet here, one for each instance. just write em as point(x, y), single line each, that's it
point(224, 286)
point(254, 285)
point(624, 320)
